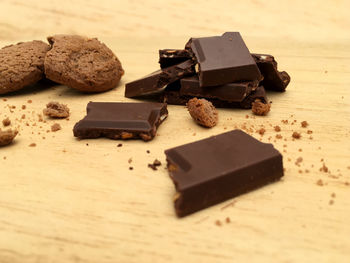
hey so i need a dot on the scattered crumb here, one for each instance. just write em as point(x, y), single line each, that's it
point(4, 157)
point(24, 107)
point(296, 135)
point(333, 195)
point(279, 136)
point(259, 108)
point(218, 222)
point(228, 220)
point(87, 144)
point(307, 171)
point(331, 202)
point(29, 101)
point(324, 168)
point(130, 160)
point(55, 109)
point(203, 112)
point(277, 128)
point(247, 116)
point(152, 166)
point(40, 118)
point(6, 122)
point(32, 144)
point(319, 182)
point(6, 137)
point(194, 134)
point(304, 124)
point(298, 161)
point(23, 116)
point(284, 121)
point(300, 150)
point(55, 127)
point(131, 168)
point(156, 162)
point(148, 151)
point(309, 132)
point(261, 131)
point(119, 145)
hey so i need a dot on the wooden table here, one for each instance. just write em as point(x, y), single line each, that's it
point(77, 201)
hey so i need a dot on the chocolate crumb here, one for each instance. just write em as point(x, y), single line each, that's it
point(247, 116)
point(309, 132)
point(218, 222)
point(55, 127)
point(279, 136)
point(259, 108)
point(55, 109)
point(152, 166)
point(24, 107)
point(319, 182)
point(131, 168)
point(6, 137)
point(228, 220)
point(119, 145)
point(87, 144)
point(304, 124)
point(32, 144)
point(156, 162)
point(6, 122)
point(29, 101)
point(148, 151)
point(277, 128)
point(296, 135)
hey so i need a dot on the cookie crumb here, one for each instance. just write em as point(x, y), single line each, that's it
point(324, 168)
point(218, 222)
point(259, 108)
point(148, 151)
point(55, 109)
point(152, 166)
point(228, 220)
point(304, 124)
point(32, 144)
point(6, 137)
point(298, 161)
point(203, 112)
point(55, 127)
point(156, 162)
point(6, 122)
point(284, 121)
point(279, 136)
point(131, 168)
point(319, 182)
point(296, 135)
point(277, 128)
point(331, 202)
point(333, 195)
point(130, 160)
point(29, 101)
point(24, 107)
point(119, 145)
point(261, 131)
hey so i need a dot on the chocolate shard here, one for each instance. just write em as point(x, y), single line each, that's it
point(157, 80)
point(223, 59)
point(119, 120)
point(231, 92)
point(215, 169)
point(172, 95)
point(171, 57)
point(273, 79)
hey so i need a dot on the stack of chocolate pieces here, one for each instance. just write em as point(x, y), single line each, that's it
point(220, 69)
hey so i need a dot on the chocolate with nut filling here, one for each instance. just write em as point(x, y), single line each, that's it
point(157, 80)
point(215, 169)
point(118, 120)
point(273, 79)
point(171, 57)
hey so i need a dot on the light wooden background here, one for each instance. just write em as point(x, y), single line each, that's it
point(66, 201)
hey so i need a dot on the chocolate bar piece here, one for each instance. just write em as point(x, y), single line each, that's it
point(172, 95)
point(215, 169)
point(170, 57)
point(273, 79)
point(223, 59)
point(157, 80)
point(231, 92)
point(120, 120)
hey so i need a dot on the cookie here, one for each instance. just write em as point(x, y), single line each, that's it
point(203, 112)
point(21, 65)
point(82, 63)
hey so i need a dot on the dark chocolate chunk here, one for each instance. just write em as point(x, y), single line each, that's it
point(157, 80)
point(215, 169)
point(273, 79)
point(170, 57)
point(172, 96)
point(227, 92)
point(223, 59)
point(119, 120)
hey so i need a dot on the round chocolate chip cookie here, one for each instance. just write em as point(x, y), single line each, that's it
point(21, 65)
point(82, 63)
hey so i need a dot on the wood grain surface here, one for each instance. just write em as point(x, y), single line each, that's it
point(77, 201)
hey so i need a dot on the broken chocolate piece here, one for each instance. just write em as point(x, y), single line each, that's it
point(215, 169)
point(170, 57)
point(223, 59)
point(172, 96)
point(236, 92)
point(157, 80)
point(273, 79)
point(118, 120)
